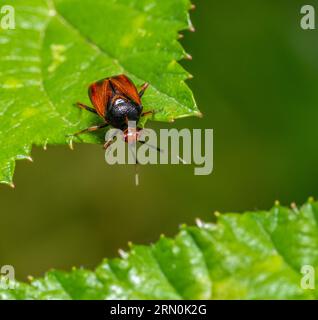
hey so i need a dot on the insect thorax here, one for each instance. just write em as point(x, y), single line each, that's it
point(120, 111)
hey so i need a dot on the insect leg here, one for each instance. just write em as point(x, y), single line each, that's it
point(83, 106)
point(109, 143)
point(151, 146)
point(143, 89)
point(91, 129)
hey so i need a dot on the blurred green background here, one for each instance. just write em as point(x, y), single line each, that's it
point(255, 79)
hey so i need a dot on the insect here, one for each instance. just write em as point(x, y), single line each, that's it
point(117, 101)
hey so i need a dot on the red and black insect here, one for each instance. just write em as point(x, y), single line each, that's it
point(117, 101)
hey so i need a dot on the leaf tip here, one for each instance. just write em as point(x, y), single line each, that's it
point(217, 214)
point(294, 207)
point(199, 223)
point(191, 28)
point(70, 144)
point(311, 199)
point(123, 254)
point(8, 183)
point(188, 56)
point(29, 159)
point(45, 144)
point(199, 114)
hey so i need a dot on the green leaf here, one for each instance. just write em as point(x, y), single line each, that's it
point(59, 47)
point(255, 255)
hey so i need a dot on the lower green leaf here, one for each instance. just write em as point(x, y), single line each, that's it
point(255, 255)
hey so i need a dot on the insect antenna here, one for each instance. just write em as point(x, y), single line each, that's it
point(136, 173)
point(161, 151)
point(151, 146)
point(181, 160)
point(136, 164)
point(136, 160)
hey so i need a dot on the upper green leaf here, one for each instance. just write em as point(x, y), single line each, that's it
point(256, 255)
point(59, 47)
